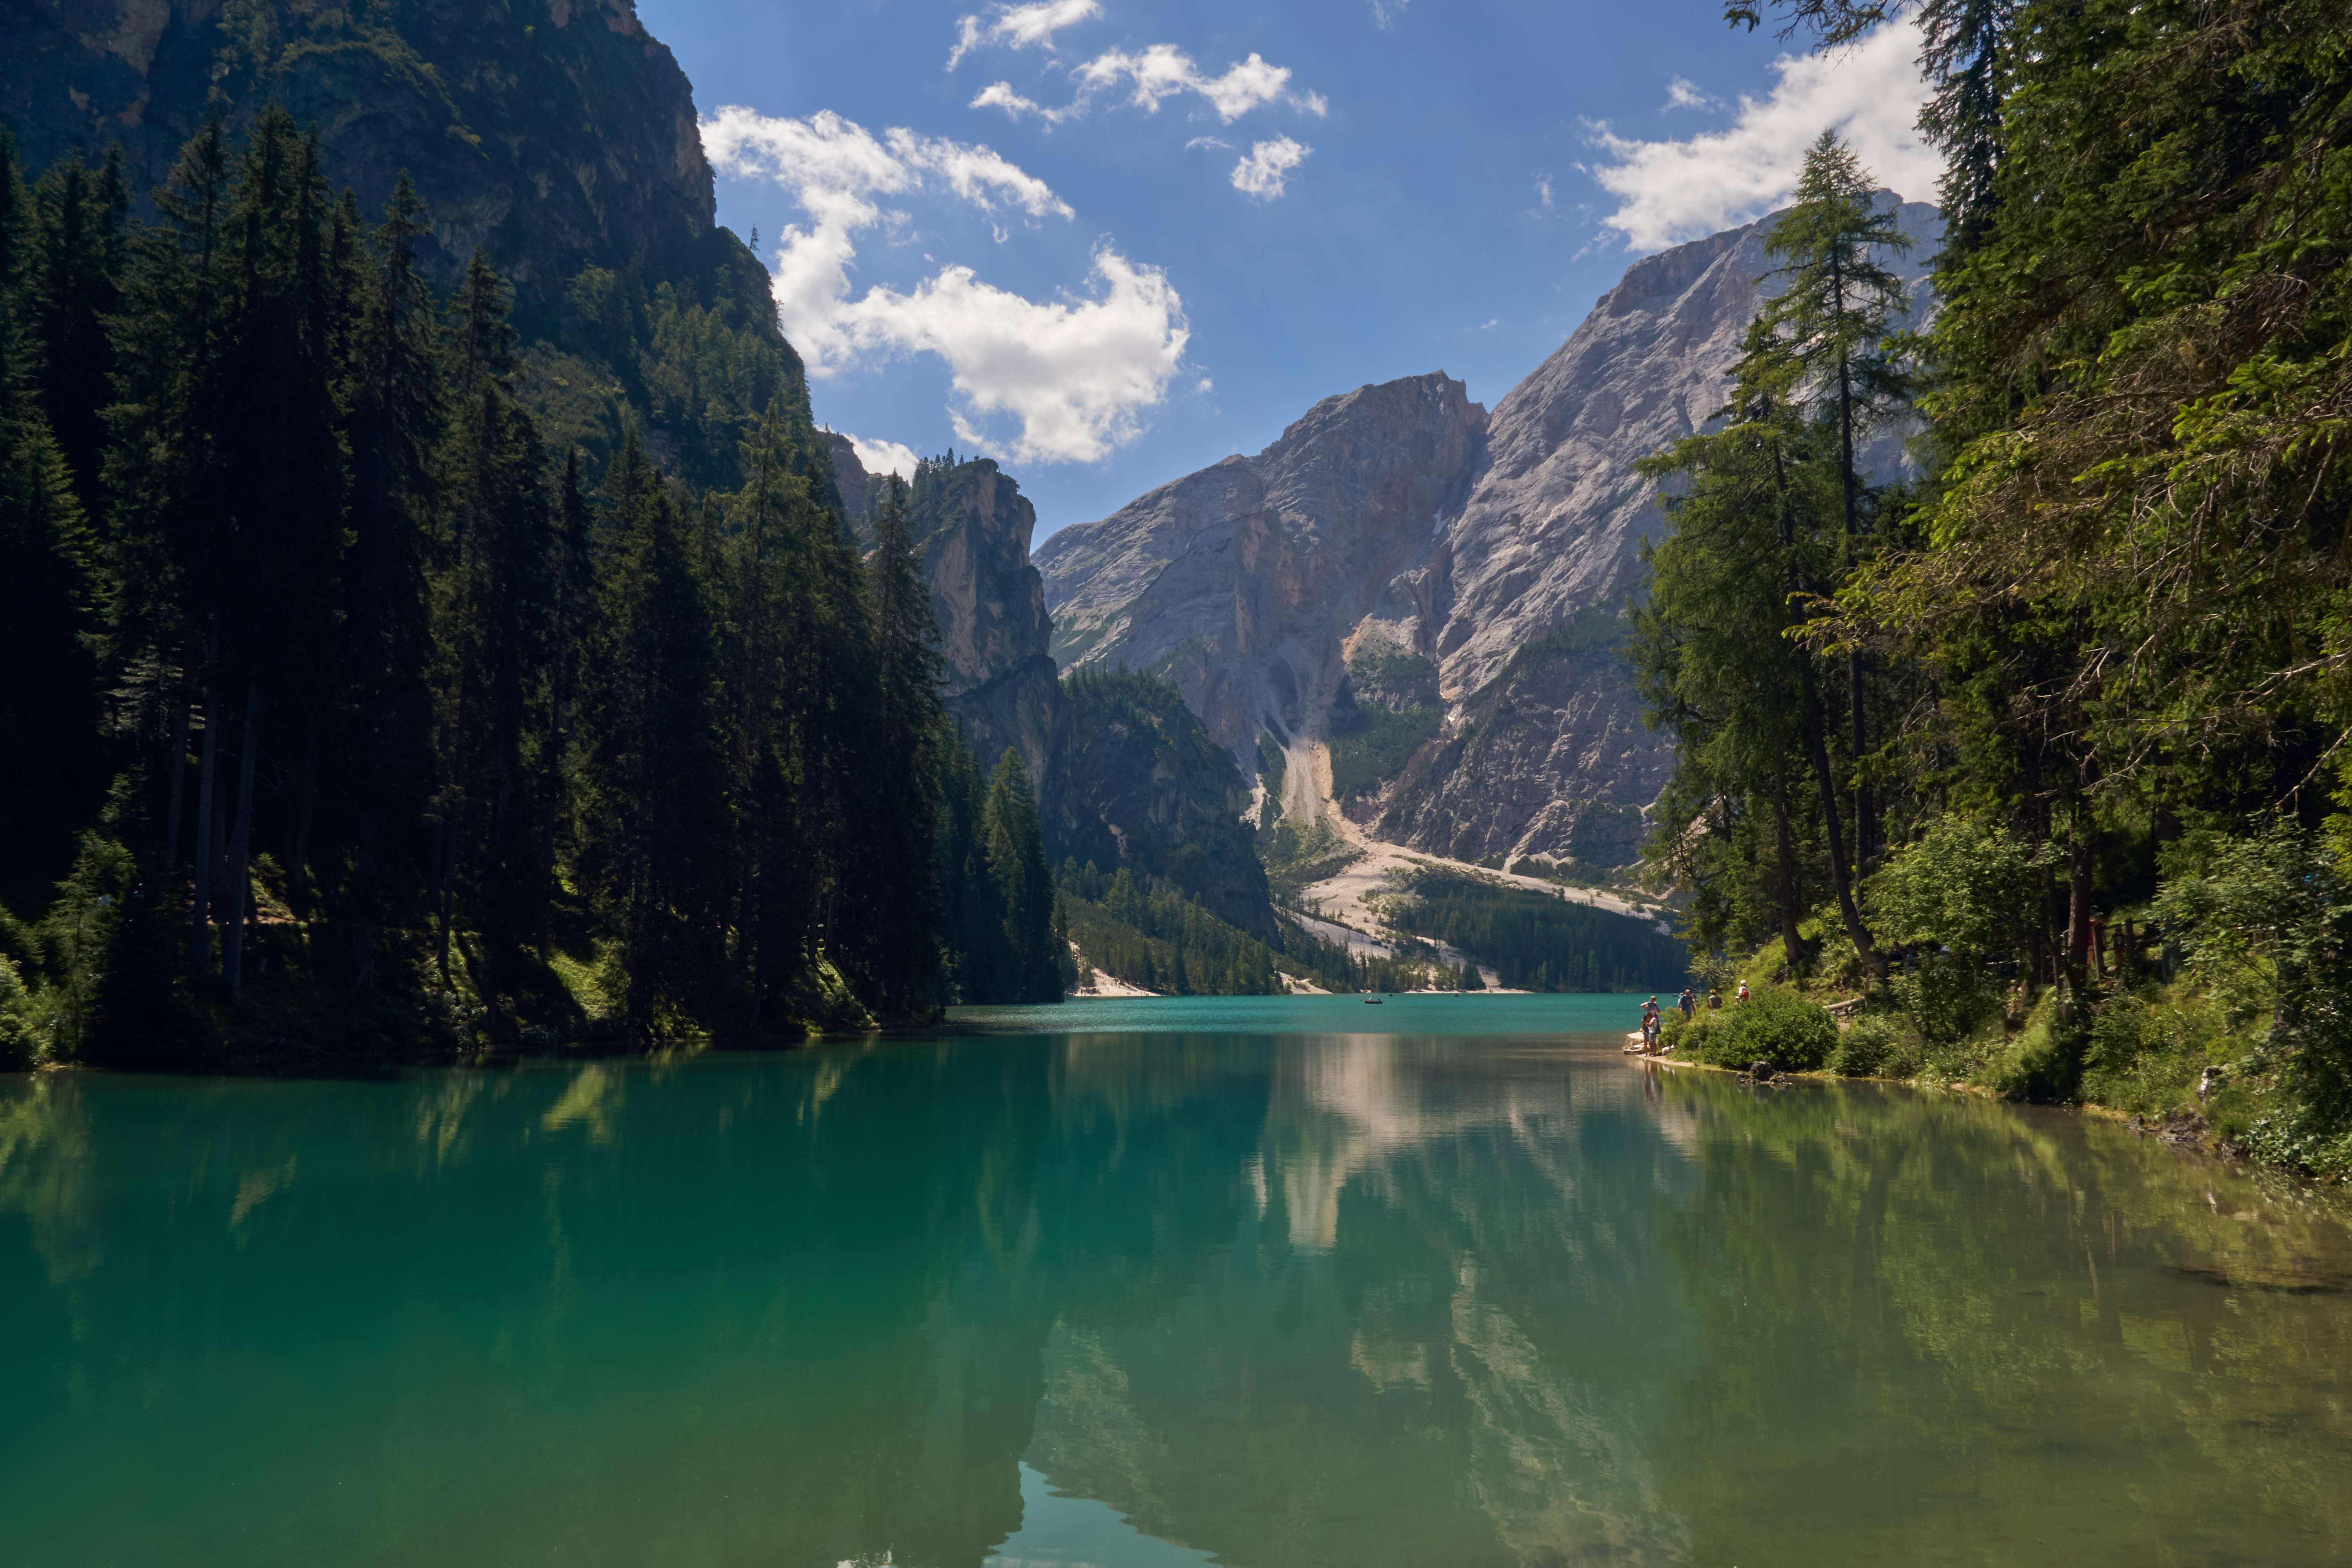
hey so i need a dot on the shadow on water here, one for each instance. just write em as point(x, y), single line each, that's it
point(1281, 1293)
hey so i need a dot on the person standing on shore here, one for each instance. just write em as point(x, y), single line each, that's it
point(1689, 1004)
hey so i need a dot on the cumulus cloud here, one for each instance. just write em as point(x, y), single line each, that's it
point(883, 457)
point(1260, 173)
point(1020, 27)
point(1672, 191)
point(1075, 371)
point(1387, 11)
point(1151, 76)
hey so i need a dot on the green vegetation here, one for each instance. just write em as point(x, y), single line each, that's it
point(1773, 1026)
point(1150, 934)
point(1536, 941)
point(2037, 750)
point(363, 717)
point(1376, 745)
point(1297, 858)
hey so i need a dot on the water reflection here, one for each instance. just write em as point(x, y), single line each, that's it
point(1338, 1298)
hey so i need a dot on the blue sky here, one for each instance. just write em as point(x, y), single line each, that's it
point(1109, 242)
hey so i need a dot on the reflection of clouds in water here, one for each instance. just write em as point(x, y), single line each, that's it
point(1059, 1531)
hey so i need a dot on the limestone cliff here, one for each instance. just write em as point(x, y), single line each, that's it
point(1242, 581)
point(1428, 592)
point(1124, 774)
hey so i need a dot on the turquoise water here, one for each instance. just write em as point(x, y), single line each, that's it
point(1134, 1284)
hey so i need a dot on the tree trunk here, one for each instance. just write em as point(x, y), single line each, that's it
point(179, 791)
point(200, 946)
point(2078, 899)
point(240, 847)
point(1792, 904)
point(1841, 881)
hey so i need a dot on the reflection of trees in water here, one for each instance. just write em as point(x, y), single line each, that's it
point(1926, 1321)
point(747, 1312)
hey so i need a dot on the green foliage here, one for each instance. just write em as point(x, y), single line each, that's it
point(1867, 1047)
point(1153, 936)
point(2266, 924)
point(1538, 943)
point(1376, 745)
point(509, 729)
point(1774, 1025)
point(1299, 857)
point(2044, 1062)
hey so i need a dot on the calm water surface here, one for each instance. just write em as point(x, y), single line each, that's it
point(1151, 1283)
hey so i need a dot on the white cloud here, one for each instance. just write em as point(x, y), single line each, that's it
point(1260, 174)
point(1163, 70)
point(883, 457)
point(1387, 11)
point(999, 95)
point(1020, 27)
point(1217, 143)
point(1075, 373)
point(1204, 386)
point(1156, 74)
point(1669, 191)
point(1684, 93)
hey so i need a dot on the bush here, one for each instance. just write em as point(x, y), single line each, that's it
point(1866, 1047)
point(2145, 1056)
point(1773, 1026)
point(2044, 1063)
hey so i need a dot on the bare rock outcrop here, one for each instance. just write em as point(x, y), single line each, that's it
point(1400, 529)
point(1242, 581)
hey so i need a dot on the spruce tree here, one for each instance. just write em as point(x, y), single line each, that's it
point(1023, 883)
point(656, 773)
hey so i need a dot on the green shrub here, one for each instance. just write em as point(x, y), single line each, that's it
point(1866, 1047)
point(2145, 1054)
point(1773, 1026)
point(20, 1032)
point(2044, 1063)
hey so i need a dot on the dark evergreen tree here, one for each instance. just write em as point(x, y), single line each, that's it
point(655, 777)
point(1023, 883)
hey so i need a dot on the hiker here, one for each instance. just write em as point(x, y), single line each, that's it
point(1649, 1018)
point(1743, 991)
point(1688, 1004)
point(1714, 1000)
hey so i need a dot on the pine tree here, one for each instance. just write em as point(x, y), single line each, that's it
point(887, 898)
point(657, 776)
point(49, 588)
point(496, 609)
point(1023, 883)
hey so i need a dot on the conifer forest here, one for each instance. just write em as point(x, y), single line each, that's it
point(371, 710)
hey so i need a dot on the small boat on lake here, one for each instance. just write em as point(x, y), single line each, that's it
point(1372, 1000)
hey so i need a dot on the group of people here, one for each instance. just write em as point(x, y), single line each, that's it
point(1653, 1017)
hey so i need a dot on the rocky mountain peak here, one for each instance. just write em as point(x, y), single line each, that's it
point(1399, 552)
point(1243, 581)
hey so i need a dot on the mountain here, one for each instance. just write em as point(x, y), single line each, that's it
point(557, 136)
point(1125, 775)
point(1419, 601)
point(552, 134)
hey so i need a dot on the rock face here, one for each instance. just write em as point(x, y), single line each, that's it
point(1241, 581)
point(1125, 773)
point(1397, 539)
point(552, 134)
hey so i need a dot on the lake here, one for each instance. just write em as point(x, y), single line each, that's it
point(1279, 1282)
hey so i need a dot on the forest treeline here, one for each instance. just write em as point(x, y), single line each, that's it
point(340, 704)
point(2045, 747)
